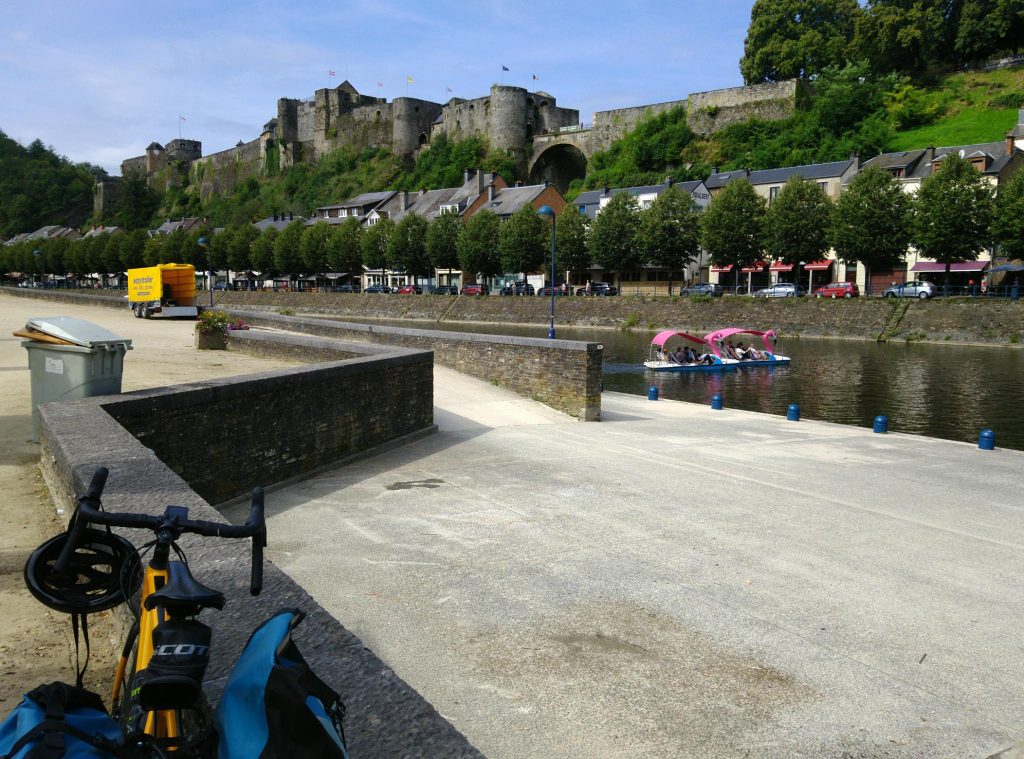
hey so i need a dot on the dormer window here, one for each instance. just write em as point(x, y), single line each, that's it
point(450, 208)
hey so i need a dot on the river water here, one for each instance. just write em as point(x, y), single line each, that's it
point(944, 391)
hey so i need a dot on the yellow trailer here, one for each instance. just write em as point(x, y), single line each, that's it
point(166, 289)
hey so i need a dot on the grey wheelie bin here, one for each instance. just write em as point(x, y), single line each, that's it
point(70, 359)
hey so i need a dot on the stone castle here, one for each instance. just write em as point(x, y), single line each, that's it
point(549, 141)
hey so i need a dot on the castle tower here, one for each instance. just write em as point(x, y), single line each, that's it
point(507, 128)
point(412, 120)
point(155, 157)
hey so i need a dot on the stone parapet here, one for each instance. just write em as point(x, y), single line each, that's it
point(298, 419)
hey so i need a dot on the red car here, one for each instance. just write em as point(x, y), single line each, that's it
point(476, 289)
point(837, 290)
point(410, 290)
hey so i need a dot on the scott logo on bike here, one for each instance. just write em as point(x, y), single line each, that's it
point(181, 649)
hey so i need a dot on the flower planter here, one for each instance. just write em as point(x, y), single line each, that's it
point(215, 341)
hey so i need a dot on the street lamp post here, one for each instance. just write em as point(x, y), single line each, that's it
point(549, 211)
point(202, 242)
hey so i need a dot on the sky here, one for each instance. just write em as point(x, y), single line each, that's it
point(98, 80)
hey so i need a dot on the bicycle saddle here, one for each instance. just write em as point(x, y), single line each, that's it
point(184, 590)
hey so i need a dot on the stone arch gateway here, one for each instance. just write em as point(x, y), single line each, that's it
point(559, 164)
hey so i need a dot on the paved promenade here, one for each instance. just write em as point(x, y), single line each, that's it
point(678, 582)
point(671, 582)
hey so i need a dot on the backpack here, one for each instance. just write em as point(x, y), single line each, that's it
point(274, 706)
point(59, 720)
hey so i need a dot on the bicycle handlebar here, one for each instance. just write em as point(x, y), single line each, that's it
point(89, 512)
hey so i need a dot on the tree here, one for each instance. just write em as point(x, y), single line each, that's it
point(796, 224)
point(669, 232)
point(732, 227)
point(132, 249)
point(153, 250)
point(952, 213)
point(523, 241)
point(571, 240)
point(986, 27)
point(478, 245)
point(240, 247)
point(900, 35)
point(443, 241)
point(871, 221)
point(788, 39)
point(313, 247)
point(1008, 220)
point(612, 239)
point(407, 248)
point(286, 248)
point(136, 202)
point(344, 249)
point(375, 246)
point(262, 255)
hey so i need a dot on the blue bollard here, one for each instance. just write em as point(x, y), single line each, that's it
point(652, 393)
point(881, 423)
point(987, 440)
point(793, 412)
point(716, 401)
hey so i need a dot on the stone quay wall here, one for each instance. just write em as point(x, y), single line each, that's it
point(563, 374)
point(385, 717)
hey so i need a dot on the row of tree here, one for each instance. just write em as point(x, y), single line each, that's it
point(955, 215)
point(801, 38)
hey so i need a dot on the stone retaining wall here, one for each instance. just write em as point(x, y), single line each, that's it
point(202, 430)
point(563, 374)
point(973, 320)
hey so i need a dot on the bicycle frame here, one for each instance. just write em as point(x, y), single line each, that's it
point(160, 724)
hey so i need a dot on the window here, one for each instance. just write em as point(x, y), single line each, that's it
point(450, 208)
point(773, 192)
point(897, 171)
point(823, 186)
point(645, 204)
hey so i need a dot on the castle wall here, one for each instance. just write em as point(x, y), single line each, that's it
point(610, 126)
point(711, 111)
point(136, 165)
point(222, 172)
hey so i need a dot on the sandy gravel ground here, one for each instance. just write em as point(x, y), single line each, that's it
point(36, 644)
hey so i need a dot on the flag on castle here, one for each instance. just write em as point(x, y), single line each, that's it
point(504, 68)
point(536, 78)
point(408, 79)
point(331, 73)
point(449, 89)
point(182, 117)
point(380, 84)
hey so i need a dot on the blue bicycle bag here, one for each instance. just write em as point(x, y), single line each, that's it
point(274, 706)
point(59, 720)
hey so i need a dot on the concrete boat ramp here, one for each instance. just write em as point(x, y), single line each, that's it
point(676, 581)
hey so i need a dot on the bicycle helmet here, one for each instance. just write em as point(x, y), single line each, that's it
point(102, 573)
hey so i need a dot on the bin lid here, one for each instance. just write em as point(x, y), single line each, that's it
point(76, 331)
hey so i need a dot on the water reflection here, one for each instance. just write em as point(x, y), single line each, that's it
point(944, 391)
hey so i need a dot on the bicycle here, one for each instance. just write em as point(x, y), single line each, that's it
point(160, 671)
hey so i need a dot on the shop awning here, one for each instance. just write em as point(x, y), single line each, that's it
point(936, 267)
point(755, 268)
point(780, 266)
point(722, 269)
point(817, 265)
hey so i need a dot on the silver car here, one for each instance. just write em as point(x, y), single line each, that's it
point(915, 289)
point(780, 290)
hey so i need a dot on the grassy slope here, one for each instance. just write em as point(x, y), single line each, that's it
point(969, 114)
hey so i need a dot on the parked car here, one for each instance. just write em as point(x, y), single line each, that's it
point(598, 288)
point(221, 286)
point(476, 289)
point(377, 289)
point(707, 288)
point(349, 287)
point(915, 289)
point(518, 288)
point(837, 290)
point(410, 290)
point(444, 290)
point(780, 290)
point(562, 289)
